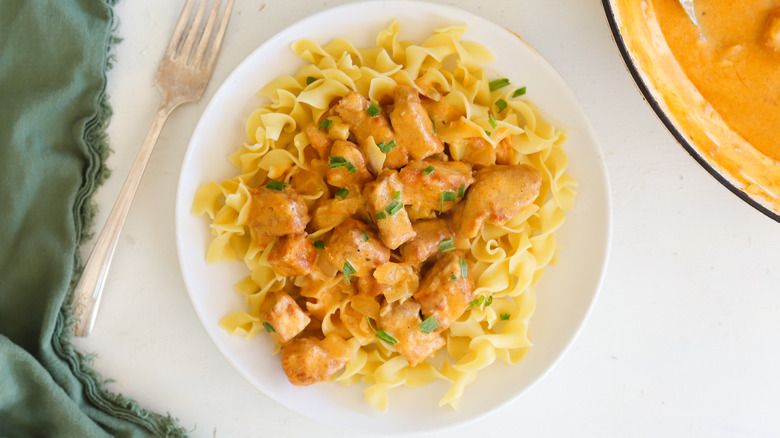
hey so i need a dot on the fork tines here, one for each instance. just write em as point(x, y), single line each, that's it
point(184, 37)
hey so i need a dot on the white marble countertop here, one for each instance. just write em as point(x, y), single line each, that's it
point(683, 340)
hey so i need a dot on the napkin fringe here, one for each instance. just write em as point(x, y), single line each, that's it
point(94, 385)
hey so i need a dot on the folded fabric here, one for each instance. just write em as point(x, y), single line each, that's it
point(53, 114)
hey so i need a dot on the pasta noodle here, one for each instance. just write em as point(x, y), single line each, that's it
point(505, 261)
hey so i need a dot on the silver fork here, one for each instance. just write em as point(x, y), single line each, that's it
point(181, 77)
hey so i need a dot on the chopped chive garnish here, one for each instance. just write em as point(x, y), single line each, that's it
point(385, 147)
point(447, 197)
point(428, 170)
point(488, 133)
point(462, 190)
point(430, 324)
point(504, 316)
point(394, 207)
point(453, 277)
point(319, 245)
point(492, 121)
point(501, 105)
point(519, 92)
point(365, 237)
point(489, 301)
point(348, 270)
point(276, 185)
point(447, 245)
point(464, 268)
point(373, 109)
point(342, 193)
point(268, 327)
point(325, 124)
point(380, 215)
point(381, 334)
point(476, 302)
point(339, 161)
point(433, 122)
point(498, 84)
point(310, 79)
point(397, 195)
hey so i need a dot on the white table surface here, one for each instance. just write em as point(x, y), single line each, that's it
point(684, 339)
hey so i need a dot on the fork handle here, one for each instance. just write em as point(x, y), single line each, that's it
point(86, 295)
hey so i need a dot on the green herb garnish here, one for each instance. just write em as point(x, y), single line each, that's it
point(489, 301)
point(339, 161)
point(365, 237)
point(453, 277)
point(319, 245)
point(447, 245)
point(498, 84)
point(276, 185)
point(381, 334)
point(325, 124)
point(504, 316)
point(380, 215)
point(373, 109)
point(348, 270)
point(476, 302)
point(464, 268)
point(434, 127)
point(385, 147)
point(268, 327)
point(492, 121)
point(310, 80)
point(446, 197)
point(428, 170)
point(501, 105)
point(430, 324)
point(394, 207)
point(397, 195)
point(342, 193)
point(519, 92)
point(462, 190)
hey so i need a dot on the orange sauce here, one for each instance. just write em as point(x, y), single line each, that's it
point(728, 60)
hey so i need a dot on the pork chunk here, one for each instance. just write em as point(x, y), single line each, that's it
point(384, 199)
point(285, 317)
point(356, 242)
point(498, 194)
point(402, 321)
point(352, 175)
point(277, 212)
point(412, 124)
point(478, 152)
point(352, 109)
point(335, 211)
point(423, 190)
point(430, 232)
point(319, 140)
point(444, 292)
point(311, 360)
point(292, 255)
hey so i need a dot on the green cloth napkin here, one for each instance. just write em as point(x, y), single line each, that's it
point(53, 113)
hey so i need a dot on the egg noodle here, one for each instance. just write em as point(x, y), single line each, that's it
point(507, 260)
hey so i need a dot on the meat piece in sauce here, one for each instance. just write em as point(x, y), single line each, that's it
point(412, 124)
point(309, 184)
point(353, 110)
point(504, 151)
point(425, 181)
point(430, 232)
point(384, 199)
point(311, 360)
point(332, 212)
point(284, 315)
point(339, 175)
point(401, 280)
point(402, 321)
point(498, 194)
point(444, 292)
point(319, 140)
point(478, 152)
point(292, 255)
point(355, 242)
point(277, 212)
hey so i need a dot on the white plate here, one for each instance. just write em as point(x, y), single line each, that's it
point(565, 294)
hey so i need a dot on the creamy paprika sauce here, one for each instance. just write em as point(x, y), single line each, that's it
point(733, 59)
